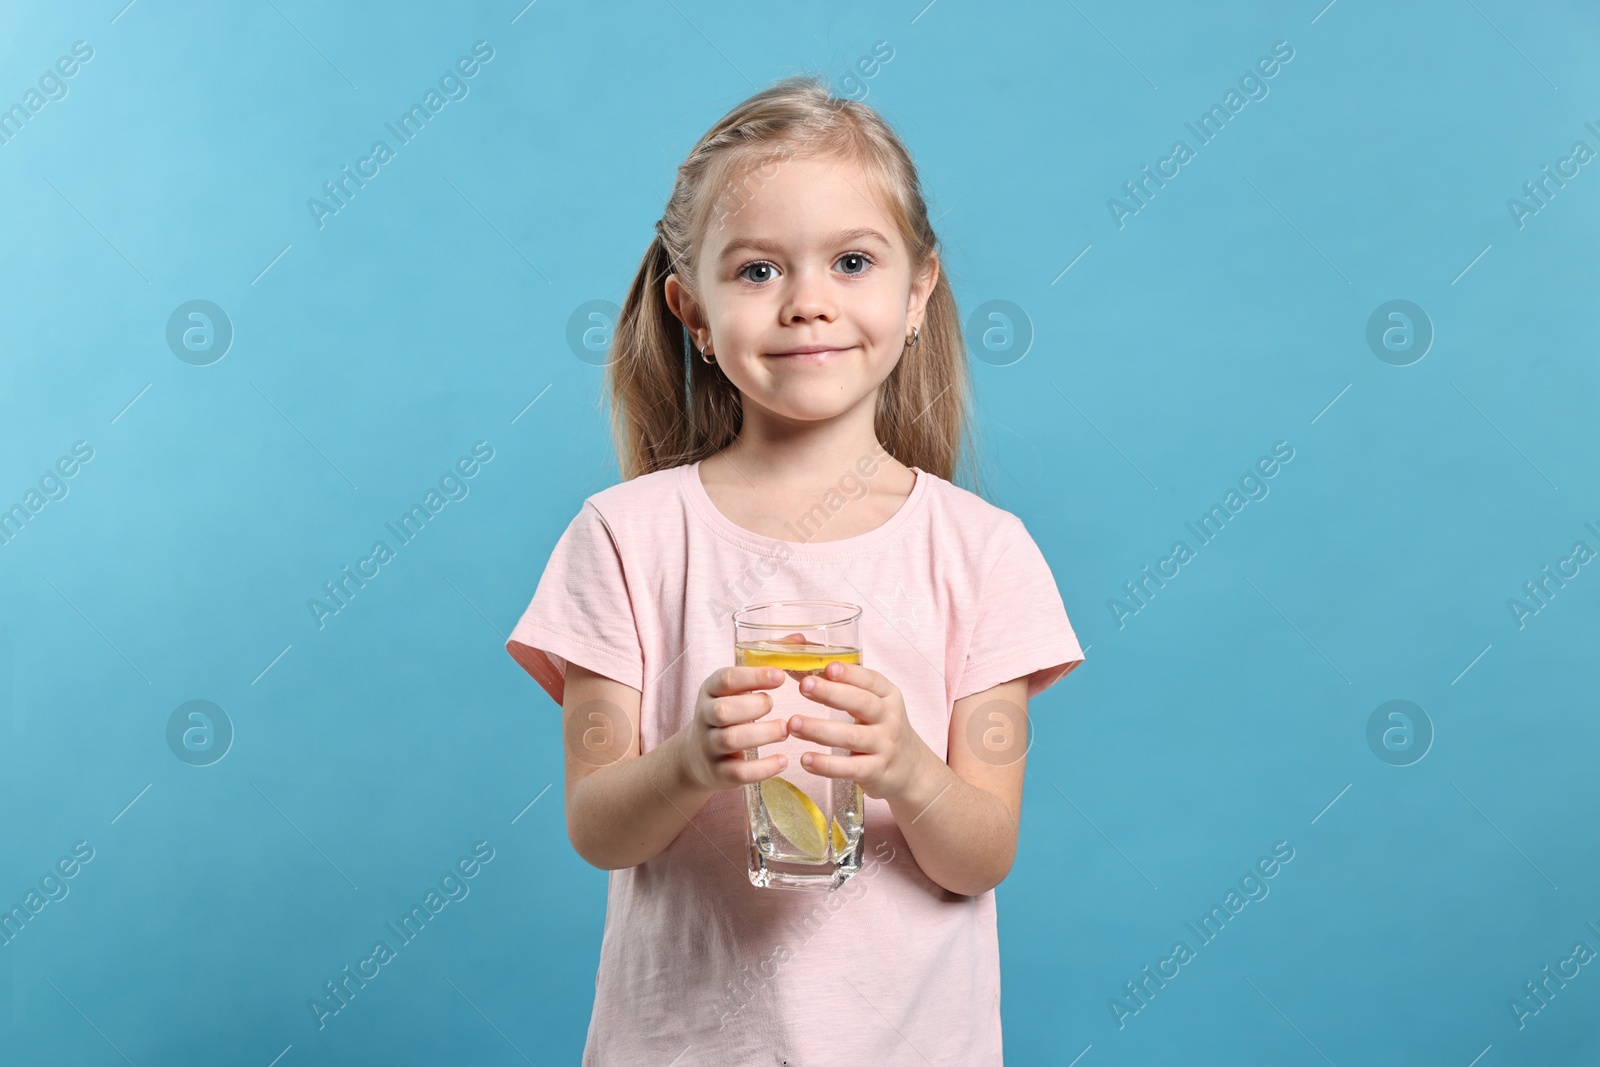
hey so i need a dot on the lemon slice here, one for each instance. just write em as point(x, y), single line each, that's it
point(797, 817)
point(839, 841)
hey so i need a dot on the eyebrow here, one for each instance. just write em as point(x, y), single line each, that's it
point(762, 244)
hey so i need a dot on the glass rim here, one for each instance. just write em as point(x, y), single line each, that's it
point(855, 611)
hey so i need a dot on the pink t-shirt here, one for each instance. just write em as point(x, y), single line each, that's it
point(696, 962)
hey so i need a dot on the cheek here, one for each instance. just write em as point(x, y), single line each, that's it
point(884, 325)
point(881, 308)
point(737, 328)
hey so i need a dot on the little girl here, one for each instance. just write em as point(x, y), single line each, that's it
point(789, 395)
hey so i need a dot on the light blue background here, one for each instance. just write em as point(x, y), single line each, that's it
point(1228, 314)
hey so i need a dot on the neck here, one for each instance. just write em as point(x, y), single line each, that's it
point(779, 454)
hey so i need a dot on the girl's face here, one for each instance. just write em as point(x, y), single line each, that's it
point(804, 259)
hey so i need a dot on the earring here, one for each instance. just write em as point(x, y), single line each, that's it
point(707, 358)
point(915, 333)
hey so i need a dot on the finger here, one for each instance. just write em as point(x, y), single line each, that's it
point(740, 771)
point(738, 708)
point(862, 704)
point(731, 680)
point(830, 766)
point(834, 733)
point(857, 675)
point(748, 735)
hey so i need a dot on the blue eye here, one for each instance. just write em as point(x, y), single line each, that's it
point(866, 262)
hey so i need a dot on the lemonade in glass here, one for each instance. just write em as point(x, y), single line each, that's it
point(805, 830)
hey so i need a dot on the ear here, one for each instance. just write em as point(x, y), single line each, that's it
point(921, 289)
point(688, 310)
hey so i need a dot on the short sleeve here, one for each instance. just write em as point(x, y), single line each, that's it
point(1022, 627)
point(581, 611)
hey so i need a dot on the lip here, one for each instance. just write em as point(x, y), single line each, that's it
point(808, 354)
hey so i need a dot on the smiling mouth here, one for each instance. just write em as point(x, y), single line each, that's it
point(808, 357)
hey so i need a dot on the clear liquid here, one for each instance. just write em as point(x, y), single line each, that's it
point(776, 860)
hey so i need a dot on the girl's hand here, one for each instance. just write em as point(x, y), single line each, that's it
point(886, 753)
point(714, 740)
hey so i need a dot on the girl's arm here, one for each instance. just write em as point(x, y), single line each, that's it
point(623, 808)
point(961, 817)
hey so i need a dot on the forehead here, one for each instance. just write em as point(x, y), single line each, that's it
point(796, 205)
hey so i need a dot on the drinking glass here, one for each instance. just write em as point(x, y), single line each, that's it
point(805, 831)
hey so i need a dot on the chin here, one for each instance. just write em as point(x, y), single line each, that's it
point(819, 406)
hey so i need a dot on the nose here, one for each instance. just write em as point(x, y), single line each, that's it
point(809, 297)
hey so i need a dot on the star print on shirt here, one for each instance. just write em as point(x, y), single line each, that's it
point(900, 607)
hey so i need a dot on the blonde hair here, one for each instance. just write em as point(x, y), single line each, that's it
point(668, 406)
